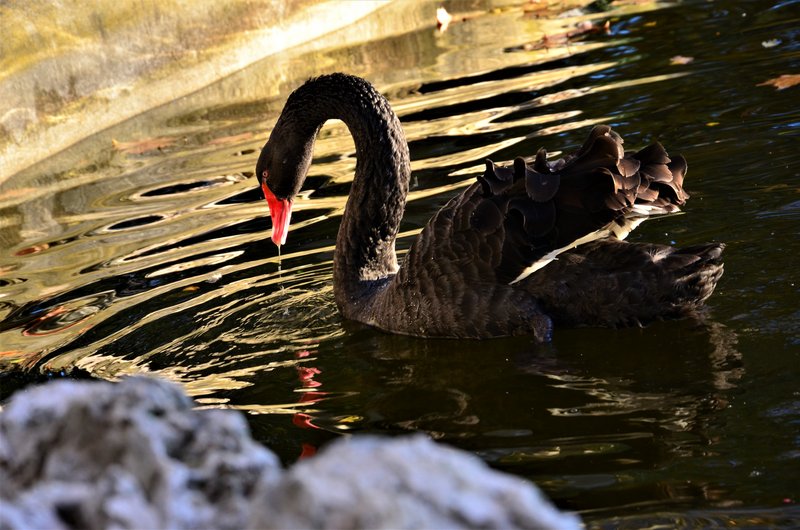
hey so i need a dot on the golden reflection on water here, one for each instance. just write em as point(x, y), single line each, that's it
point(116, 217)
point(91, 221)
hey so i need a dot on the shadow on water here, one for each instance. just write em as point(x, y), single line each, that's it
point(150, 254)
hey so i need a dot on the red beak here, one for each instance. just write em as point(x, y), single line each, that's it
point(281, 212)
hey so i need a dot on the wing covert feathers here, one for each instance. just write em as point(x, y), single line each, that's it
point(547, 207)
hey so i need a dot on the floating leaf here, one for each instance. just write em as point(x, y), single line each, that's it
point(784, 81)
point(35, 249)
point(138, 147)
point(680, 59)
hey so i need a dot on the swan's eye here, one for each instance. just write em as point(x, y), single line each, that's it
point(264, 174)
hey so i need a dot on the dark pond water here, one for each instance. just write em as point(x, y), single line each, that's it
point(154, 257)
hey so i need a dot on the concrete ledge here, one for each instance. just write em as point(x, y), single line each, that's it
point(71, 69)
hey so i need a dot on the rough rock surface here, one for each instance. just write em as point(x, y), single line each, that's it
point(411, 482)
point(138, 455)
point(128, 455)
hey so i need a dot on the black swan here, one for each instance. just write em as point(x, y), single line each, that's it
point(522, 249)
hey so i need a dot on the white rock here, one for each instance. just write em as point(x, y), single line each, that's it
point(128, 455)
point(136, 454)
point(409, 482)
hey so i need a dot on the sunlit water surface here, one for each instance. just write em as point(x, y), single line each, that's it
point(152, 255)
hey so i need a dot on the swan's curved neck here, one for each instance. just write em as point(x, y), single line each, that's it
point(365, 252)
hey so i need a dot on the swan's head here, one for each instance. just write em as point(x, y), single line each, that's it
point(281, 170)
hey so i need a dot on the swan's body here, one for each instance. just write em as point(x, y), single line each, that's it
point(517, 251)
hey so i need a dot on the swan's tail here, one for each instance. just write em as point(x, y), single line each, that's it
point(695, 272)
point(614, 283)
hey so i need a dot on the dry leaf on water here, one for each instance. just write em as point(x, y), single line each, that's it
point(138, 147)
point(680, 59)
point(781, 82)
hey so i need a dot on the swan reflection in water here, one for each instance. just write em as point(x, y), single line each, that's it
point(562, 414)
point(662, 385)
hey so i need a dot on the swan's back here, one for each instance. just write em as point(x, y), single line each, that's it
point(523, 247)
point(480, 266)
